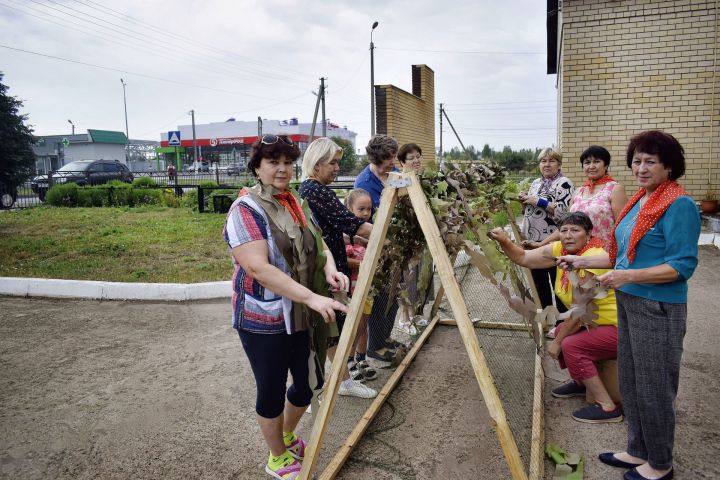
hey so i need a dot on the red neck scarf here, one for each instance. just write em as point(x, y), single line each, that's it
point(594, 242)
point(659, 201)
point(287, 200)
point(292, 205)
point(600, 181)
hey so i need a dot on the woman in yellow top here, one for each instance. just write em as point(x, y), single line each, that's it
point(576, 346)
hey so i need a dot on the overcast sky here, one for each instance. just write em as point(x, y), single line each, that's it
point(244, 58)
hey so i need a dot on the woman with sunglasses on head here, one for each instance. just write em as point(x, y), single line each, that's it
point(545, 202)
point(274, 248)
point(320, 167)
point(654, 252)
point(576, 348)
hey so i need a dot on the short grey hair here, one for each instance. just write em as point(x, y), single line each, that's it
point(380, 148)
point(320, 150)
point(549, 152)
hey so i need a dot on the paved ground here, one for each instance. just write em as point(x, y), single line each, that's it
point(95, 389)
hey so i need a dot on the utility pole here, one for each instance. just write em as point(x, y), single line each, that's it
point(372, 81)
point(322, 99)
point(441, 146)
point(455, 132)
point(127, 134)
point(195, 149)
point(73, 126)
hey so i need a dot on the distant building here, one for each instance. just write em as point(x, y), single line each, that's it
point(54, 151)
point(409, 117)
point(229, 142)
point(628, 66)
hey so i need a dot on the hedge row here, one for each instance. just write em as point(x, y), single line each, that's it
point(116, 193)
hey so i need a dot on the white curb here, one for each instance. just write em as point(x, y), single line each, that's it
point(54, 288)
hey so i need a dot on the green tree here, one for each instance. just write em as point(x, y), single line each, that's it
point(17, 161)
point(349, 158)
point(487, 152)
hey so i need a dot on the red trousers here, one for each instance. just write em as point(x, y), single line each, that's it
point(583, 348)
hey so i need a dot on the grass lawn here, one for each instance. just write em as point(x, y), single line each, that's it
point(144, 244)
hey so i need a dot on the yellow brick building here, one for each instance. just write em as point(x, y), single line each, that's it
point(624, 66)
point(409, 117)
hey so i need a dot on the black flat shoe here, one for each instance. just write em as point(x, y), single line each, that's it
point(609, 458)
point(634, 475)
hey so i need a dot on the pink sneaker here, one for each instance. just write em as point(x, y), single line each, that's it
point(289, 470)
point(297, 449)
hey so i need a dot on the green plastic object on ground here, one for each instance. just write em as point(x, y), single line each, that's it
point(568, 466)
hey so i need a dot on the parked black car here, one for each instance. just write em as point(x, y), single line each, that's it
point(83, 172)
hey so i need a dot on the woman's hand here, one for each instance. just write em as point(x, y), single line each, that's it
point(614, 279)
point(325, 306)
point(337, 280)
point(526, 199)
point(554, 349)
point(570, 262)
point(498, 234)
point(530, 245)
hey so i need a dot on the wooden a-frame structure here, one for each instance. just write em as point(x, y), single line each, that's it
point(399, 185)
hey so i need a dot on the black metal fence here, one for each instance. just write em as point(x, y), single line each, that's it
point(213, 198)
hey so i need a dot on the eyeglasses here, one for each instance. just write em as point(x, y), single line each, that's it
point(273, 139)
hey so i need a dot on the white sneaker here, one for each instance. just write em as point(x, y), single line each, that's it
point(353, 388)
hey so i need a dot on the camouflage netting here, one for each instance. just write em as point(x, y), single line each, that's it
point(466, 205)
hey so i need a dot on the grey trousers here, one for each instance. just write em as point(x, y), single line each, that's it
point(650, 346)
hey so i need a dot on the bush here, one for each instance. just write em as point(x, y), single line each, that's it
point(121, 194)
point(207, 183)
point(62, 195)
point(143, 182)
point(190, 200)
point(92, 197)
point(147, 196)
point(169, 199)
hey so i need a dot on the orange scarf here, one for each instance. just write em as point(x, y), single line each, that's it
point(292, 205)
point(594, 242)
point(659, 201)
point(600, 181)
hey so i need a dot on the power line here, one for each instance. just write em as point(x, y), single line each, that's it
point(185, 39)
point(152, 77)
point(502, 103)
point(143, 37)
point(471, 52)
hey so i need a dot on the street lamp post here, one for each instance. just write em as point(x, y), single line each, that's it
point(372, 81)
point(195, 148)
point(73, 126)
point(125, 104)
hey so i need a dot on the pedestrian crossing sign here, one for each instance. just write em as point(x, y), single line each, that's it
point(174, 138)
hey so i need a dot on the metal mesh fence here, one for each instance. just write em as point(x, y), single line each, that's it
point(392, 330)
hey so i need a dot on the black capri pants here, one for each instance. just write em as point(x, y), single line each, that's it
point(271, 356)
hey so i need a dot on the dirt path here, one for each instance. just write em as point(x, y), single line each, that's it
point(117, 390)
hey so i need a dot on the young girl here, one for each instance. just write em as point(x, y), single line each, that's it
point(359, 202)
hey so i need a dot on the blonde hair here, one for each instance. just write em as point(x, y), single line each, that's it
point(320, 150)
point(353, 195)
point(549, 152)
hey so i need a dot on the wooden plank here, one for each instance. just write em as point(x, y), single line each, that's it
point(365, 277)
point(356, 435)
point(537, 440)
point(467, 332)
point(451, 322)
point(526, 271)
